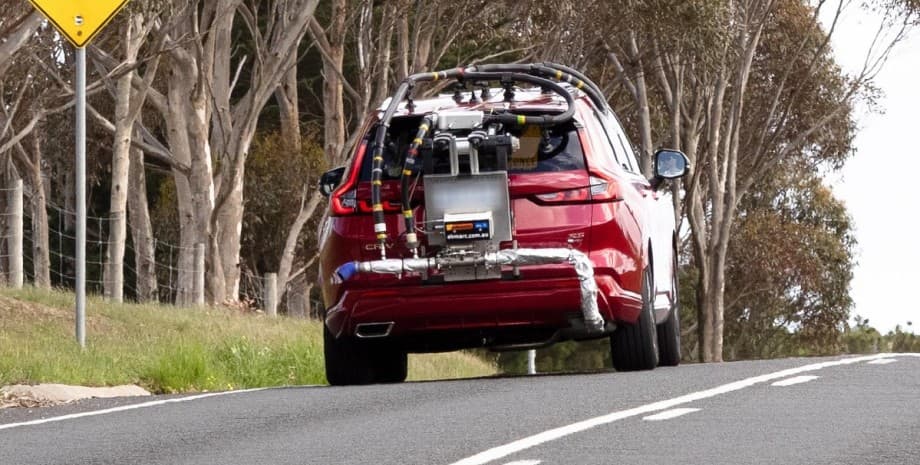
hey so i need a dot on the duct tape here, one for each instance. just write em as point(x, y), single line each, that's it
point(380, 227)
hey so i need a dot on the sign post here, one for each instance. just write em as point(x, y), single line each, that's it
point(80, 284)
point(79, 21)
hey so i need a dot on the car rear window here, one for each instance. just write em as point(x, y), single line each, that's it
point(542, 150)
point(547, 150)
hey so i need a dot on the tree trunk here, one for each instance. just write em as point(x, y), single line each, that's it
point(141, 230)
point(333, 88)
point(645, 119)
point(41, 258)
point(307, 209)
point(287, 97)
point(17, 37)
point(717, 304)
point(70, 201)
point(402, 45)
point(194, 189)
point(114, 273)
point(126, 112)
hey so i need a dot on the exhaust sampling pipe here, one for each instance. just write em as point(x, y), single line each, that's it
point(594, 322)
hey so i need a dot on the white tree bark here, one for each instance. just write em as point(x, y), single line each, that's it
point(15, 35)
point(141, 229)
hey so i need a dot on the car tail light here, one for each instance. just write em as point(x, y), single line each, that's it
point(344, 203)
point(569, 196)
point(603, 189)
point(600, 190)
point(344, 199)
point(389, 206)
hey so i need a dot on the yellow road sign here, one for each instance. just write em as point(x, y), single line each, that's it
point(79, 20)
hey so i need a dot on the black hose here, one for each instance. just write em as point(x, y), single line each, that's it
point(519, 73)
point(512, 118)
point(380, 225)
point(578, 75)
point(409, 169)
point(555, 71)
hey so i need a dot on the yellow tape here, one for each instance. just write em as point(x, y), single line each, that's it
point(558, 75)
point(407, 172)
point(424, 127)
point(378, 208)
point(521, 119)
point(435, 76)
point(382, 236)
point(377, 183)
point(417, 141)
point(378, 158)
point(407, 213)
point(580, 84)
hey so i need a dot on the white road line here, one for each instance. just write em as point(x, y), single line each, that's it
point(883, 361)
point(126, 407)
point(795, 380)
point(525, 462)
point(568, 430)
point(669, 414)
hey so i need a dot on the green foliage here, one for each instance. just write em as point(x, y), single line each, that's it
point(278, 176)
point(901, 341)
point(180, 368)
point(862, 338)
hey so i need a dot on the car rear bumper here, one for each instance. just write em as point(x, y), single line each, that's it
point(481, 305)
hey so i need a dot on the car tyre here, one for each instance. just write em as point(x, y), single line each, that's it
point(347, 363)
point(669, 331)
point(634, 347)
point(392, 366)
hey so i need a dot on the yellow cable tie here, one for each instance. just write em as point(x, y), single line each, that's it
point(417, 141)
point(377, 183)
point(407, 172)
point(378, 158)
point(382, 236)
point(436, 77)
point(558, 75)
point(580, 84)
point(521, 119)
point(424, 127)
point(407, 213)
point(378, 207)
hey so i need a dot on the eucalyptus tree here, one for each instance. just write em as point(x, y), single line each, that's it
point(133, 33)
point(209, 103)
point(737, 104)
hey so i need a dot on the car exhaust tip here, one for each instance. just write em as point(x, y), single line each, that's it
point(373, 330)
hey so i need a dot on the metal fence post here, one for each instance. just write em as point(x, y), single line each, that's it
point(270, 294)
point(15, 244)
point(198, 285)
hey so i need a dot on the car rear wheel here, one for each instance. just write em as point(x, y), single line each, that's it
point(669, 331)
point(635, 346)
point(350, 362)
point(392, 366)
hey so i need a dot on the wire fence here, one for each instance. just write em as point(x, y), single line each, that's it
point(174, 266)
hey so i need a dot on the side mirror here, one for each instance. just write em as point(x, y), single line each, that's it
point(670, 164)
point(330, 180)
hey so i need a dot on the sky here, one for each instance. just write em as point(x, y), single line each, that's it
point(878, 184)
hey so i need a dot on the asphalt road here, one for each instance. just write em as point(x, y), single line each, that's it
point(796, 411)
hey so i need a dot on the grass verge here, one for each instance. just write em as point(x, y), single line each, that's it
point(168, 349)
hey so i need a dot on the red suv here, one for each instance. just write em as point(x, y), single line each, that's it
point(510, 214)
